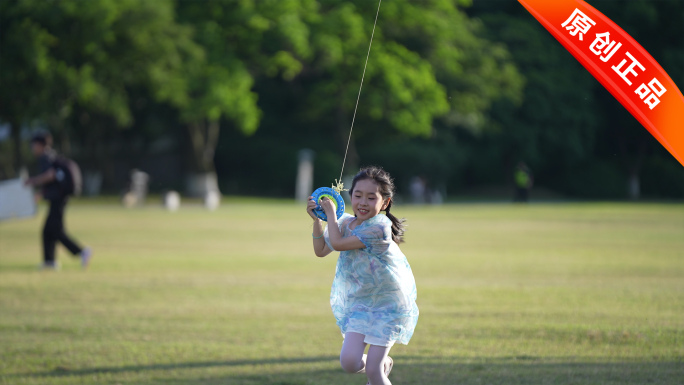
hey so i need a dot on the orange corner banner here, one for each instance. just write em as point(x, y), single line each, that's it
point(622, 66)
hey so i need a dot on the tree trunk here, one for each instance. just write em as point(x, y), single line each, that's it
point(204, 139)
point(634, 181)
point(15, 128)
point(201, 184)
point(65, 144)
point(634, 186)
point(632, 154)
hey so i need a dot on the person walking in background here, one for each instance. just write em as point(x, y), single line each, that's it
point(523, 182)
point(54, 192)
point(373, 296)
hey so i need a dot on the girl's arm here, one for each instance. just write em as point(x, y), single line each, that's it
point(319, 246)
point(338, 242)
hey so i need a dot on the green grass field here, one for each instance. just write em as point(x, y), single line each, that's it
point(575, 293)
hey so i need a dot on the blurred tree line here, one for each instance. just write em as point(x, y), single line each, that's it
point(456, 91)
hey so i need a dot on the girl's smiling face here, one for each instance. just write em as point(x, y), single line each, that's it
point(367, 201)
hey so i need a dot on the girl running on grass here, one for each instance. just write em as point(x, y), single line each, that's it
point(373, 295)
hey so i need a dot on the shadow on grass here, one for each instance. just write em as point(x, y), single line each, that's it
point(65, 371)
point(536, 371)
point(408, 370)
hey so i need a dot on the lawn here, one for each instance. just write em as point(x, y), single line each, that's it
point(577, 293)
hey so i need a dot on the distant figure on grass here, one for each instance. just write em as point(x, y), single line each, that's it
point(418, 189)
point(523, 182)
point(54, 180)
point(373, 295)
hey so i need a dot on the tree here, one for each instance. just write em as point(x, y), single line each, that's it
point(658, 28)
point(25, 68)
point(58, 57)
point(428, 61)
point(555, 126)
point(569, 128)
point(242, 40)
point(220, 64)
point(420, 55)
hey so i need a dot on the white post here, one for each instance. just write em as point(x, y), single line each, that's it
point(212, 200)
point(172, 200)
point(305, 170)
point(138, 189)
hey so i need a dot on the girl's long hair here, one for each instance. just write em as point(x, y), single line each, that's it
point(386, 187)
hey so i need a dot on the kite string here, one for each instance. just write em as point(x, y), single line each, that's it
point(339, 185)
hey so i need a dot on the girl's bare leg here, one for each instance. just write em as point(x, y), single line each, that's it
point(375, 365)
point(352, 358)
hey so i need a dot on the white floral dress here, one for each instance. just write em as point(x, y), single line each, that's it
point(374, 292)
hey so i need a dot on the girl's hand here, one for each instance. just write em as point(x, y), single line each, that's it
point(310, 206)
point(328, 207)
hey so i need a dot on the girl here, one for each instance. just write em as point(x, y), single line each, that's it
point(373, 295)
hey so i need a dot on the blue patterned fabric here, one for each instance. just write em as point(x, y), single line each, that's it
point(374, 292)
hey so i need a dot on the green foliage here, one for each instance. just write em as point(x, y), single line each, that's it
point(90, 54)
point(241, 40)
point(558, 116)
point(473, 70)
point(422, 54)
point(455, 90)
point(571, 131)
point(657, 27)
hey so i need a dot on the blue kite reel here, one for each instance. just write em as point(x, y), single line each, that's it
point(331, 194)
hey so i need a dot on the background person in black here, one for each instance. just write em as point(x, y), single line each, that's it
point(53, 230)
